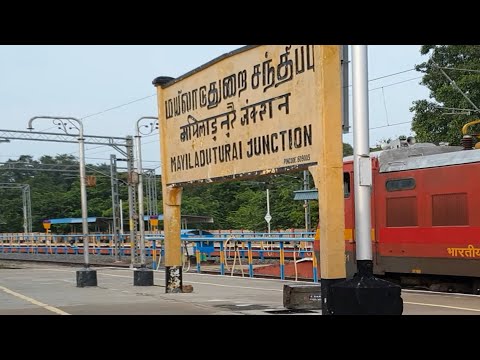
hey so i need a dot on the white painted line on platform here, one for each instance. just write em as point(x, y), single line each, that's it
point(193, 282)
point(254, 288)
point(47, 283)
point(233, 286)
point(33, 301)
point(442, 306)
point(246, 278)
point(413, 291)
point(211, 284)
point(122, 276)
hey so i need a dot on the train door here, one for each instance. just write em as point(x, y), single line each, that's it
point(348, 186)
point(374, 232)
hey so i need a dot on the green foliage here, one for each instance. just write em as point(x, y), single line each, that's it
point(53, 194)
point(430, 123)
point(249, 214)
point(347, 149)
point(233, 204)
point(243, 204)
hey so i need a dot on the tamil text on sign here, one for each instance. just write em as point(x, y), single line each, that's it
point(252, 112)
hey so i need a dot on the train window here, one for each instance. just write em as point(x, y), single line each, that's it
point(346, 184)
point(449, 209)
point(402, 211)
point(400, 184)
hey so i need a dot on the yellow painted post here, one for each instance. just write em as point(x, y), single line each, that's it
point(328, 176)
point(153, 247)
point(46, 226)
point(315, 269)
point(172, 199)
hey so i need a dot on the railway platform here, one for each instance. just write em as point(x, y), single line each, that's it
point(40, 289)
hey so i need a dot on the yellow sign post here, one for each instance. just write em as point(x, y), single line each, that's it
point(154, 222)
point(46, 225)
point(258, 110)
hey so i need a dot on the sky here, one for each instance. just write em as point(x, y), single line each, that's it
point(110, 88)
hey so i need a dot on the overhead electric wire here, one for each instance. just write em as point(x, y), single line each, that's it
point(385, 105)
point(118, 106)
point(96, 158)
point(104, 151)
point(388, 75)
point(382, 87)
point(152, 95)
point(384, 126)
point(149, 96)
point(458, 69)
point(396, 83)
point(454, 84)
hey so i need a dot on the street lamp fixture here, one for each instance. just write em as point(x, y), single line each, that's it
point(86, 276)
point(142, 276)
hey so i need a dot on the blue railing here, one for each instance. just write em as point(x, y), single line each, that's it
point(243, 245)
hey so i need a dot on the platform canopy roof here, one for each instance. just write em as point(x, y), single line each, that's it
point(185, 218)
point(306, 194)
point(72, 220)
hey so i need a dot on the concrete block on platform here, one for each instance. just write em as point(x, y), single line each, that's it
point(302, 297)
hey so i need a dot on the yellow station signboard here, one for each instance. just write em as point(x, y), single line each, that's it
point(252, 112)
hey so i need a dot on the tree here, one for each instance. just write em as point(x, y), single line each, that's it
point(347, 149)
point(232, 204)
point(461, 63)
point(249, 215)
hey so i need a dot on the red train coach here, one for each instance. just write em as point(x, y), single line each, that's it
point(425, 212)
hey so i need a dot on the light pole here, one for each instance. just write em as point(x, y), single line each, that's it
point(268, 217)
point(25, 218)
point(306, 203)
point(364, 294)
point(86, 276)
point(142, 276)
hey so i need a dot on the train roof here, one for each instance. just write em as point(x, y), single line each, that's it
point(373, 155)
point(421, 156)
point(424, 155)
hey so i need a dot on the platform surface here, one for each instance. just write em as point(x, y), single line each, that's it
point(31, 289)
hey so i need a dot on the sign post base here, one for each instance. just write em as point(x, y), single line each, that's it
point(366, 294)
